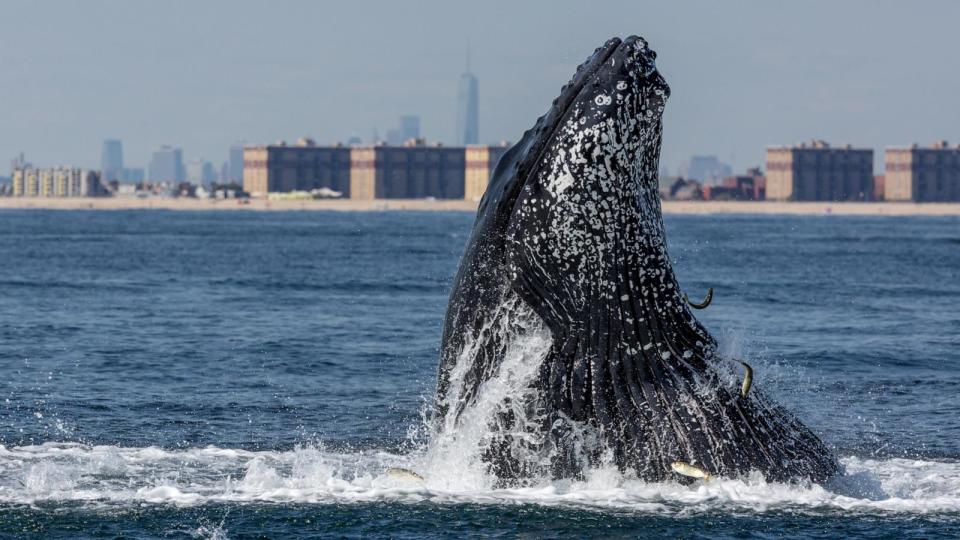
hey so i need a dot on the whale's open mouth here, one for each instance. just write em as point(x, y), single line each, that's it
point(571, 230)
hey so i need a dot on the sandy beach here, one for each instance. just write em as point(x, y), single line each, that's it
point(421, 205)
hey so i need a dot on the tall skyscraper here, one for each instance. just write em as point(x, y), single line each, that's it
point(200, 171)
point(467, 108)
point(111, 160)
point(235, 171)
point(409, 127)
point(166, 165)
point(705, 169)
point(133, 174)
point(393, 137)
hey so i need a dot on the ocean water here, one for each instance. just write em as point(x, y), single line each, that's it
point(252, 375)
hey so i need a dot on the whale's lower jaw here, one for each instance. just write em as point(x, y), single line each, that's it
point(578, 410)
point(571, 232)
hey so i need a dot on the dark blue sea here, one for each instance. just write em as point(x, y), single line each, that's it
point(252, 375)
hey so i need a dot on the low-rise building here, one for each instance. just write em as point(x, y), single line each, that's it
point(481, 160)
point(922, 174)
point(57, 182)
point(279, 168)
point(414, 170)
point(47, 177)
point(680, 189)
point(879, 187)
point(819, 172)
point(742, 187)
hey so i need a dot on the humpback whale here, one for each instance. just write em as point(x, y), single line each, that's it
point(569, 243)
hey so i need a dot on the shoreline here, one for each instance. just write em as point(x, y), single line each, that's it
point(423, 205)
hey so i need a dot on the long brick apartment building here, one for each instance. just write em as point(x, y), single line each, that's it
point(412, 171)
point(819, 172)
point(922, 174)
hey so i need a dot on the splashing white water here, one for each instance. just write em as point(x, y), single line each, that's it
point(456, 452)
point(115, 476)
point(451, 465)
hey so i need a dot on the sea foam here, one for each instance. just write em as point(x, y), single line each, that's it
point(118, 476)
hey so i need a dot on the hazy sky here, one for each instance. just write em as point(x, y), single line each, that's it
point(204, 74)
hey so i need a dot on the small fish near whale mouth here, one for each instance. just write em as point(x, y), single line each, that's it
point(570, 234)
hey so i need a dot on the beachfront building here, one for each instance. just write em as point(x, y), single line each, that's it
point(56, 182)
point(879, 187)
point(25, 182)
point(480, 162)
point(819, 172)
point(922, 174)
point(279, 168)
point(47, 188)
point(741, 187)
point(414, 170)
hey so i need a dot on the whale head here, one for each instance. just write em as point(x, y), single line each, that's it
point(589, 207)
point(610, 132)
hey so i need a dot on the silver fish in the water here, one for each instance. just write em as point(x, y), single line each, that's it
point(692, 471)
point(701, 305)
point(403, 474)
point(747, 379)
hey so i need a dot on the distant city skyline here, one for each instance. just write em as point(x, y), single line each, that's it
point(234, 172)
point(166, 165)
point(408, 127)
point(707, 169)
point(743, 76)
